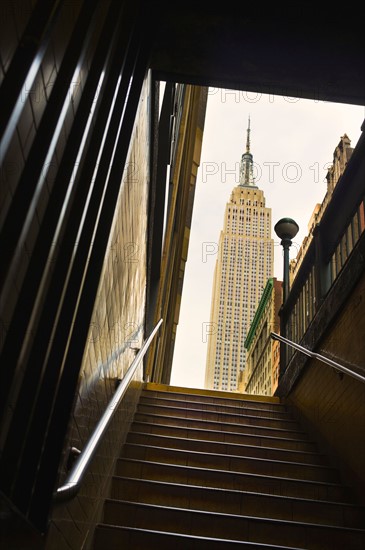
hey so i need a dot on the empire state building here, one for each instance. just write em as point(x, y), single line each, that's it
point(244, 263)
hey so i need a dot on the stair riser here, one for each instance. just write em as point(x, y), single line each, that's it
point(253, 529)
point(113, 538)
point(239, 503)
point(223, 448)
point(237, 408)
point(222, 436)
point(229, 463)
point(212, 425)
point(219, 416)
point(230, 480)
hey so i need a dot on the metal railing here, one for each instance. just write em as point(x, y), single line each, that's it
point(318, 356)
point(73, 481)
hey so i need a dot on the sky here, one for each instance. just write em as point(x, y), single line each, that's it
point(292, 143)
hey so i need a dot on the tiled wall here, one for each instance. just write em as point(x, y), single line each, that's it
point(115, 333)
point(35, 95)
point(15, 16)
point(117, 326)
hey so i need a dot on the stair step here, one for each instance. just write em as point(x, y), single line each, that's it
point(219, 397)
point(190, 432)
point(218, 447)
point(113, 537)
point(231, 463)
point(241, 417)
point(218, 525)
point(235, 407)
point(216, 425)
point(214, 470)
point(241, 502)
point(285, 486)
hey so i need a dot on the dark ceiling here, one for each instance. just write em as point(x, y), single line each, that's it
point(293, 50)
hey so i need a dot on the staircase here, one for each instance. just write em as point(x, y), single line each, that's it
point(214, 470)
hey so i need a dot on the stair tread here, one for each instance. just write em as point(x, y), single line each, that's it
point(233, 472)
point(226, 432)
point(238, 491)
point(224, 443)
point(242, 414)
point(237, 516)
point(200, 538)
point(202, 420)
point(236, 407)
point(238, 457)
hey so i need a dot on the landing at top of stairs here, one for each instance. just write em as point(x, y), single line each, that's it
point(211, 393)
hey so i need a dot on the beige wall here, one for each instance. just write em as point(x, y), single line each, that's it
point(333, 407)
point(116, 329)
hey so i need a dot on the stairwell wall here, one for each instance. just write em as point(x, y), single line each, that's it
point(332, 406)
point(116, 332)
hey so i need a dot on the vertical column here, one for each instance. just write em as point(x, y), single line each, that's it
point(322, 268)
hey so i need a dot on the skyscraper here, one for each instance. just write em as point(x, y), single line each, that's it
point(243, 265)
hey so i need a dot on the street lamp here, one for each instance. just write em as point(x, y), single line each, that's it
point(286, 229)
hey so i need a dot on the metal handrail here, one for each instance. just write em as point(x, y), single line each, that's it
point(73, 481)
point(318, 356)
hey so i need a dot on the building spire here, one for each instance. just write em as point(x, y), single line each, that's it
point(248, 136)
point(246, 167)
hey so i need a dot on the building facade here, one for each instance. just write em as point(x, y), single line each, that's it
point(341, 156)
point(244, 263)
point(261, 373)
point(325, 250)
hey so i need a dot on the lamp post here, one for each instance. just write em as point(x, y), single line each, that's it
point(286, 229)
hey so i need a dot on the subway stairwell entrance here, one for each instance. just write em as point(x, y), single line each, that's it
point(93, 248)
